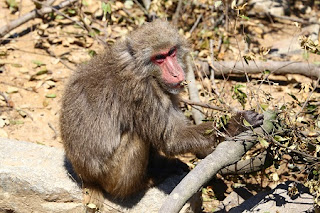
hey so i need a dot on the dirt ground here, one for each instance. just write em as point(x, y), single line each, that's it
point(33, 73)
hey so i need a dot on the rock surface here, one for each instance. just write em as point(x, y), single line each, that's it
point(291, 45)
point(280, 199)
point(273, 7)
point(37, 178)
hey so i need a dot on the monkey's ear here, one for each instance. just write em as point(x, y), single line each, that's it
point(129, 47)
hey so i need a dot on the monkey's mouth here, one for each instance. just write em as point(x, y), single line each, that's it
point(177, 85)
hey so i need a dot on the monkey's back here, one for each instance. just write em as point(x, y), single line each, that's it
point(88, 122)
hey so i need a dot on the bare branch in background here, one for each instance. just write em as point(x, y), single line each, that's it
point(33, 14)
point(175, 17)
point(254, 67)
point(193, 93)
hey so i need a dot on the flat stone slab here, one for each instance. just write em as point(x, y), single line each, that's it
point(279, 200)
point(33, 178)
point(37, 178)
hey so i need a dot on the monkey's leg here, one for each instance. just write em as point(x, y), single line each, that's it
point(127, 167)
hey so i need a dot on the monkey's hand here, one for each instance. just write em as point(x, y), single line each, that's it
point(255, 119)
point(237, 125)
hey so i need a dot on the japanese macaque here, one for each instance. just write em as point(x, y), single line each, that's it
point(120, 110)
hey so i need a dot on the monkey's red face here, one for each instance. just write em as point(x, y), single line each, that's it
point(171, 72)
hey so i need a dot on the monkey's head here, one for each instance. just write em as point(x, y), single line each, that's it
point(161, 52)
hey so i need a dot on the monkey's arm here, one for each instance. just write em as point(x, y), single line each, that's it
point(188, 138)
point(201, 139)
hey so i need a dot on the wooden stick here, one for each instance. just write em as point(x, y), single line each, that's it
point(33, 14)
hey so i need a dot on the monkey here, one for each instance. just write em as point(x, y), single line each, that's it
point(121, 109)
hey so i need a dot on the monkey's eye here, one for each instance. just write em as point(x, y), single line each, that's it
point(172, 51)
point(159, 58)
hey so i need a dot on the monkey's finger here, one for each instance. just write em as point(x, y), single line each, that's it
point(258, 121)
point(249, 115)
point(260, 116)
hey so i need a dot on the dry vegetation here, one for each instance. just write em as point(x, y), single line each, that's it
point(37, 57)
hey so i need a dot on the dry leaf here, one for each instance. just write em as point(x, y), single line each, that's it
point(51, 83)
point(207, 84)
point(43, 26)
point(12, 90)
point(246, 123)
point(45, 103)
point(117, 5)
point(24, 70)
point(263, 142)
point(275, 177)
point(55, 61)
point(39, 84)
point(2, 123)
point(128, 4)
point(65, 43)
point(51, 95)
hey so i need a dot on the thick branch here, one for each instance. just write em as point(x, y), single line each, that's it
point(275, 67)
point(226, 153)
point(193, 93)
point(253, 164)
point(31, 15)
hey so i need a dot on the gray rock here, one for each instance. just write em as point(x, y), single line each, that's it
point(37, 178)
point(231, 201)
point(33, 178)
point(278, 200)
point(273, 7)
point(291, 45)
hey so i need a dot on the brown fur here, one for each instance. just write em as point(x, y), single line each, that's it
point(116, 109)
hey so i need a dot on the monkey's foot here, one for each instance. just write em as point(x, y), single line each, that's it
point(93, 200)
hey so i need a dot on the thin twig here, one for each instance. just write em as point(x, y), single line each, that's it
point(54, 131)
point(308, 98)
point(89, 28)
point(218, 21)
point(142, 8)
point(195, 24)
point(193, 92)
point(227, 15)
point(177, 13)
point(220, 43)
point(60, 59)
point(308, 157)
point(209, 106)
point(5, 99)
point(212, 71)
